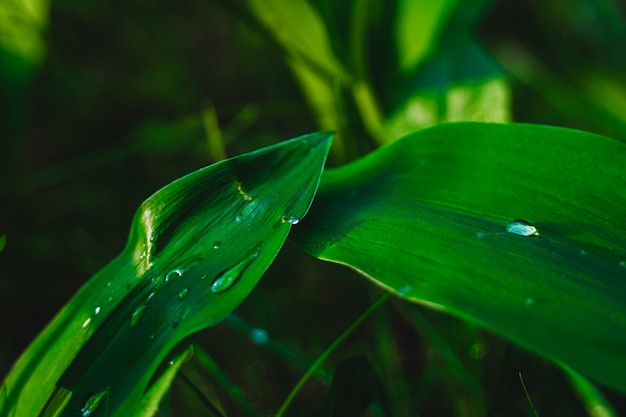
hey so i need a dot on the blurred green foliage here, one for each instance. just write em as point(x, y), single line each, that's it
point(103, 102)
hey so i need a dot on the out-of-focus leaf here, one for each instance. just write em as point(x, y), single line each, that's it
point(405, 65)
point(22, 26)
point(3, 242)
point(196, 249)
point(427, 218)
point(354, 389)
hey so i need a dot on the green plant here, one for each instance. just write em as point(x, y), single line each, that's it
point(514, 228)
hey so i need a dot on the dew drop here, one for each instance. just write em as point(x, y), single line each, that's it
point(96, 310)
point(259, 336)
point(238, 217)
point(217, 244)
point(176, 273)
point(93, 403)
point(529, 301)
point(183, 293)
point(522, 228)
point(404, 289)
point(480, 235)
point(86, 322)
point(622, 264)
point(226, 279)
point(109, 283)
point(583, 252)
point(137, 315)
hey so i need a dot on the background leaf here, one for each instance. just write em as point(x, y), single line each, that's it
point(427, 218)
point(197, 248)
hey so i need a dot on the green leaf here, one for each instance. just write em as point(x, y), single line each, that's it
point(196, 249)
point(427, 216)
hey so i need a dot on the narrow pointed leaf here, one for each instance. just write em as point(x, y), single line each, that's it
point(196, 249)
point(427, 218)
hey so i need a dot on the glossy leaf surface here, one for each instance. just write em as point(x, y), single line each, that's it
point(427, 217)
point(196, 249)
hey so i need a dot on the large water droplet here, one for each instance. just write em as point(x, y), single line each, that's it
point(183, 293)
point(522, 228)
point(137, 315)
point(226, 279)
point(176, 273)
point(93, 403)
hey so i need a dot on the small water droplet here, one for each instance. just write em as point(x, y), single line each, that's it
point(86, 322)
point(216, 245)
point(96, 310)
point(238, 217)
point(137, 315)
point(93, 403)
point(176, 273)
point(404, 289)
point(522, 228)
point(529, 301)
point(109, 283)
point(480, 235)
point(583, 252)
point(183, 293)
point(622, 264)
point(226, 279)
point(259, 336)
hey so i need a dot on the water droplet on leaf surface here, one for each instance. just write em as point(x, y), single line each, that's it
point(216, 245)
point(259, 336)
point(522, 228)
point(226, 279)
point(93, 403)
point(183, 293)
point(96, 310)
point(622, 264)
point(137, 315)
point(176, 273)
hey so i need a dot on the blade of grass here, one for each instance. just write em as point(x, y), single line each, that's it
point(318, 362)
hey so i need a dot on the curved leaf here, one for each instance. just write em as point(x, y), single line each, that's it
point(427, 218)
point(196, 249)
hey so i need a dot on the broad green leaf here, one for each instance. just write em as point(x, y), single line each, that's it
point(427, 217)
point(196, 249)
